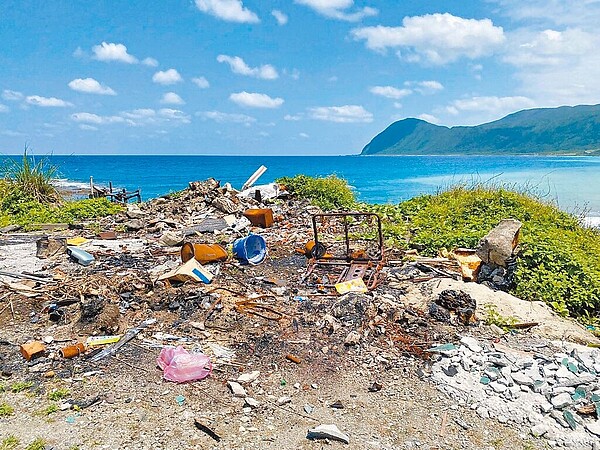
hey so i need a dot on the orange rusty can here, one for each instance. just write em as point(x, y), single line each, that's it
point(204, 253)
point(72, 350)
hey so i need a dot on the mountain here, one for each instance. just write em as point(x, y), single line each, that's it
point(563, 130)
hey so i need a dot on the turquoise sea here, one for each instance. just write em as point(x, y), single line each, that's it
point(571, 182)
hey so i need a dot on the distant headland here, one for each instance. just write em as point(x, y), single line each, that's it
point(567, 130)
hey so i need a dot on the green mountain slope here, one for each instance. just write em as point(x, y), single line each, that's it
point(564, 130)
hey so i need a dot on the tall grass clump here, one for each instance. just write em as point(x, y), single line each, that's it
point(28, 196)
point(559, 261)
point(328, 193)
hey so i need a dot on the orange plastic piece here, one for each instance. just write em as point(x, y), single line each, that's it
point(32, 349)
point(204, 253)
point(260, 217)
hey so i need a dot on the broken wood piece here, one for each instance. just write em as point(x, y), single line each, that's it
point(293, 358)
point(206, 430)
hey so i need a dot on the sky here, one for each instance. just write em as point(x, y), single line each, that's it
point(293, 77)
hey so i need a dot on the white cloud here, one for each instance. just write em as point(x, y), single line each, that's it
point(7, 94)
point(47, 101)
point(171, 98)
point(173, 115)
point(337, 9)
point(281, 18)
point(293, 118)
point(237, 65)
point(303, 135)
point(167, 77)
point(490, 107)
point(221, 117)
point(87, 127)
point(390, 92)
point(79, 53)
point(137, 114)
point(435, 38)
point(558, 12)
point(255, 100)
point(228, 10)
point(263, 134)
point(113, 52)
point(150, 62)
point(201, 82)
point(341, 114)
point(429, 118)
point(85, 117)
point(90, 86)
point(430, 86)
point(4, 108)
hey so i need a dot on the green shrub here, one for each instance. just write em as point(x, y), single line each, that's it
point(6, 410)
point(327, 193)
point(9, 443)
point(559, 262)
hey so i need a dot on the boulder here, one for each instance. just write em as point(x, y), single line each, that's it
point(500, 243)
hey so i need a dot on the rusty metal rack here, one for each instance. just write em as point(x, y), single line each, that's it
point(346, 246)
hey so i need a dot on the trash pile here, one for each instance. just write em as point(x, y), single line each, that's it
point(214, 279)
point(555, 395)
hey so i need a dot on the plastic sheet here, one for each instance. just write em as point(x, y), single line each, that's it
point(179, 365)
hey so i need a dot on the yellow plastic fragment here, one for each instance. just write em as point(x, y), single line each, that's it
point(355, 285)
point(77, 240)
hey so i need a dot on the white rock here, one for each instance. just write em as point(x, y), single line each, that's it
point(522, 379)
point(251, 402)
point(237, 389)
point(329, 431)
point(283, 400)
point(472, 343)
point(561, 400)
point(539, 430)
point(353, 338)
point(593, 427)
point(246, 378)
point(498, 387)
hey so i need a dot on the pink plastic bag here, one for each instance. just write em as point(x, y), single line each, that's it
point(179, 365)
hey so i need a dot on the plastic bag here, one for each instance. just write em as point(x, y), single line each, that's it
point(179, 365)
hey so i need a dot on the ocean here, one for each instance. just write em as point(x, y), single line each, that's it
point(573, 183)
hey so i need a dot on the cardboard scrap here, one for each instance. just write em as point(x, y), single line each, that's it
point(190, 271)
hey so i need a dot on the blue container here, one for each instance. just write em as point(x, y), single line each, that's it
point(81, 256)
point(251, 249)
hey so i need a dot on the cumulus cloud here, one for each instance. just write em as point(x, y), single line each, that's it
point(90, 86)
point(429, 118)
point(255, 100)
point(435, 38)
point(558, 12)
point(171, 98)
point(238, 65)
point(167, 77)
point(48, 102)
point(7, 94)
point(135, 117)
point(150, 62)
point(85, 117)
point(487, 108)
point(428, 86)
point(221, 117)
point(228, 10)
point(390, 92)
point(113, 52)
point(338, 9)
point(281, 18)
point(341, 114)
point(201, 82)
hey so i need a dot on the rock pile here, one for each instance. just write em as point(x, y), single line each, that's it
point(557, 396)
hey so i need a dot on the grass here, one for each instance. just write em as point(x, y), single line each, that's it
point(328, 193)
point(37, 444)
point(6, 410)
point(20, 386)
point(28, 197)
point(58, 394)
point(50, 409)
point(9, 443)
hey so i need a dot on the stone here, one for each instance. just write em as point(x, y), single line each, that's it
point(246, 378)
point(522, 379)
point(492, 373)
point(237, 389)
point(251, 402)
point(10, 228)
point(171, 239)
point(134, 212)
point(499, 387)
point(593, 427)
point(472, 344)
point(32, 349)
point(561, 400)
point(328, 431)
point(134, 225)
point(483, 412)
point(539, 386)
point(225, 205)
point(546, 406)
point(499, 244)
point(557, 415)
point(353, 338)
point(46, 247)
point(283, 400)
point(539, 430)
point(308, 409)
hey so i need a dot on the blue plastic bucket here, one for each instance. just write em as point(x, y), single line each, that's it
point(251, 249)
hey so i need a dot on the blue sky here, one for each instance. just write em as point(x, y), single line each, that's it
point(279, 77)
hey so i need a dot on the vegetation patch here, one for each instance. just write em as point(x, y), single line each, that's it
point(29, 197)
point(20, 386)
point(37, 444)
point(6, 410)
point(9, 443)
point(327, 193)
point(58, 394)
